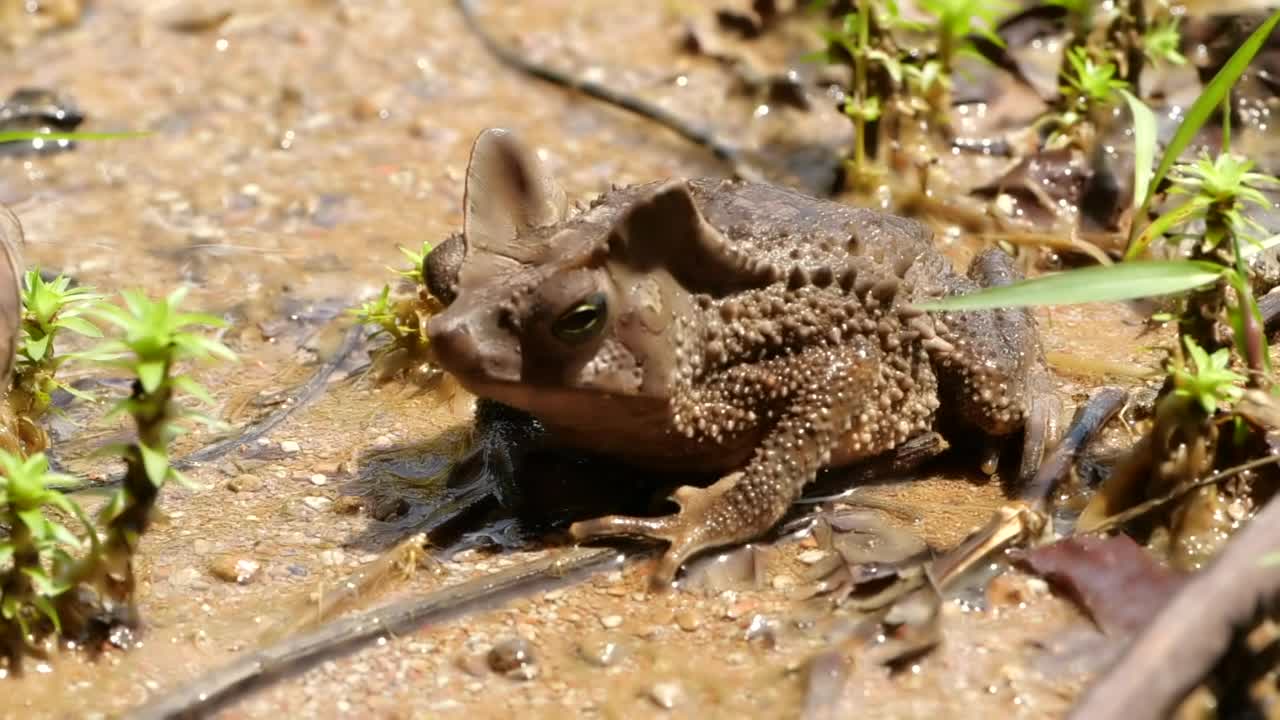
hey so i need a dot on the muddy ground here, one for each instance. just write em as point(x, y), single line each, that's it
point(292, 148)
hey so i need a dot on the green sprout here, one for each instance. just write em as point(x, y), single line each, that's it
point(417, 268)
point(382, 314)
point(155, 337)
point(855, 43)
point(36, 556)
point(1162, 43)
point(1090, 82)
point(1087, 86)
point(1219, 187)
point(1210, 382)
point(49, 308)
point(955, 21)
point(403, 321)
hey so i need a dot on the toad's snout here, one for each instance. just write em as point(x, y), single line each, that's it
point(467, 345)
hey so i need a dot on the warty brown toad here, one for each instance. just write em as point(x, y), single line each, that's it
point(721, 326)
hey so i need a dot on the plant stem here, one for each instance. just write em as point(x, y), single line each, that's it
point(860, 89)
point(151, 414)
point(17, 585)
point(1254, 340)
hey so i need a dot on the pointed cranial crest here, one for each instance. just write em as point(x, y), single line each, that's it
point(666, 229)
point(509, 191)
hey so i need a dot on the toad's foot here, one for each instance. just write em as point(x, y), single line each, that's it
point(824, 397)
point(701, 524)
point(991, 368)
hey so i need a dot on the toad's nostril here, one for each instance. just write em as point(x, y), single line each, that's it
point(452, 342)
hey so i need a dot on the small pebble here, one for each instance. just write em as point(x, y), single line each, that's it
point(332, 557)
point(290, 446)
point(611, 621)
point(244, 483)
point(687, 619)
point(810, 557)
point(319, 479)
point(514, 659)
point(666, 695)
point(366, 108)
point(382, 442)
point(236, 569)
point(600, 650)
point(317, 503)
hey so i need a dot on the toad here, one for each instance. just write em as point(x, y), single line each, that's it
point(727, 327)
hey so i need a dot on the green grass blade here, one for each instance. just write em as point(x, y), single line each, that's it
point(1200, 111)
point(18, 135)
point(1123, 281)
point(1144, 145)
point(1165, 223)
point(1251, 249)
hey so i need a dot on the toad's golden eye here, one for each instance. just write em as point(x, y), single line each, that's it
point(582, 321)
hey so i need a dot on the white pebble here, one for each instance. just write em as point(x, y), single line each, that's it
point(319, 479)
point(666, 694)
point(611, 621)
point(317, 503)
point(290, 446)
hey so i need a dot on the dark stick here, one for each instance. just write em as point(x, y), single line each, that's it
point(1269, 308)
point(260, 668)
point(1088, 422)
point(301, 396)
point(701, 136)
point(1184, 641)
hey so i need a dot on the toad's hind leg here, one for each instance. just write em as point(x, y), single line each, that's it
point(993, 374)
point(824, 395)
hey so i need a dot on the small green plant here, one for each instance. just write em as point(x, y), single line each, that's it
point(37, 554)
point(49, 309)
point(41, 561)
point(851, 43)
point(155, 338)
point(403, 322)
point(1162, 42)
point(417, 264)
point(1211, 279)
point(1218, 189)
point(1209, 381)
point(380, 313)
point(1088, 86)
point(955, 22)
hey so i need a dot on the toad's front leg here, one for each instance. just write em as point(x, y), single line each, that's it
point(810, 402)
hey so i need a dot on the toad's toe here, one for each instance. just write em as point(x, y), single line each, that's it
point(697, 527)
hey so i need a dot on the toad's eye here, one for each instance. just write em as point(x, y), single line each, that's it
point(583, 320)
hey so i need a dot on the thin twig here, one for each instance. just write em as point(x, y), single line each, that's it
point(255, 670)
point(301, 396)
point(1125, 516)
point(1180, 646)
point(699, 135)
